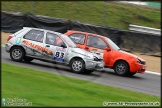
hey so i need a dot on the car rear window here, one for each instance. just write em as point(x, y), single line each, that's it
point(35, 35)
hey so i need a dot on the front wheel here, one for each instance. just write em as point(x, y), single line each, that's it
point(17, 54)
point(121, 68)
point(77, 65)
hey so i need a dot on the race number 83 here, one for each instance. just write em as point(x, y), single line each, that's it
point(59, 54)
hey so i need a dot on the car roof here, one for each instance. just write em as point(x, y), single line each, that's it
point(43, 30)
point(86, 33)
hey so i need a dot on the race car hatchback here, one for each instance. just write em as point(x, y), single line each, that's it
point(33, 43)
point(122, 62)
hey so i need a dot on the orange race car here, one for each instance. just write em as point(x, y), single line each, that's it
point(122, 62)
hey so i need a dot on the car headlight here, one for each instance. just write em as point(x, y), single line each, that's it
point(96, 58)
point(139, 61)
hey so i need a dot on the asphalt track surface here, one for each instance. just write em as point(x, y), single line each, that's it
point(144, 83)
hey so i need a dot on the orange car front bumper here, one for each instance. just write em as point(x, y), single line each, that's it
point(139, 68)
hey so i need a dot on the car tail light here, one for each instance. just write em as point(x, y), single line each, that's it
point(9, 37)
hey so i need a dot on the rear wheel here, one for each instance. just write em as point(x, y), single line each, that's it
point(28, 59)
point(17, 54)
point(77, 65)
point(121, 68)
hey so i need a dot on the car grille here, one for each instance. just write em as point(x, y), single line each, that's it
point(100, 59)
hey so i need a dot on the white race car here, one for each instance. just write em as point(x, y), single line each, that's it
point(33, 43)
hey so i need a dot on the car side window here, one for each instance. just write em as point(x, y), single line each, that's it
point(77, 38)
point(53, 39)
point(35, 35)
point(96, 42)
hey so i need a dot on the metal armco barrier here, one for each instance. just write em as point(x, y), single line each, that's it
point(145, 29)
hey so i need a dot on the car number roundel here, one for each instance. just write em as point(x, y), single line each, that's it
point(59, 54)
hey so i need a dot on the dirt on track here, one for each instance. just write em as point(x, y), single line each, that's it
point(153, 63)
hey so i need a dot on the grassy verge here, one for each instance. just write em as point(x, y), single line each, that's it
point(2, 45)
point(46, 89)
point(92, 12)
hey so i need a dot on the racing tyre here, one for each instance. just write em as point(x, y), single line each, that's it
point(77, 65)
point(28, 59)
point(121, 68)
point(17, 54)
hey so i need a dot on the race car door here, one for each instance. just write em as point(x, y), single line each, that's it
point(96, 45)
point(53, 49)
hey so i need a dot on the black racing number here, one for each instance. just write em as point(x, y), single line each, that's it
point(57, 54)
point(62, 55)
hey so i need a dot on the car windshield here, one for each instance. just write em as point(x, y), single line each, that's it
point(68, 41)
point(113, 45)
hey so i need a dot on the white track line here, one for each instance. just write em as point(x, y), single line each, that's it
point(150, 72)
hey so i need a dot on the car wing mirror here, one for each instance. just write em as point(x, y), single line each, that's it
point(107, 49)
point(64, 46)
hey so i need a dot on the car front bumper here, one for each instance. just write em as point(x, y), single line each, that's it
point(94, 65)
point(139, 68)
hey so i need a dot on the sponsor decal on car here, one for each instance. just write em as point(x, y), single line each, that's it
point(59, 54)
point(60, 49)
point(70, 54)
point(18, 40)
point(28, 43)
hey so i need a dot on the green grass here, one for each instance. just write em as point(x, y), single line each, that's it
point(2, 45)
point(92, 12)
point(46, 89)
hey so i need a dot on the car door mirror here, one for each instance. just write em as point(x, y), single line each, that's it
point(64, 46)
point(107, 49)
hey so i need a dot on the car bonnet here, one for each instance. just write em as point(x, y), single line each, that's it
point(82, 52)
